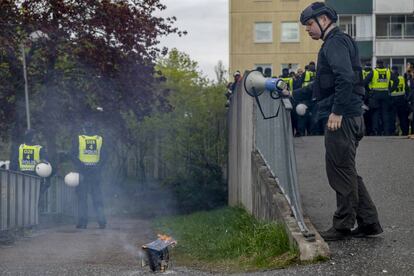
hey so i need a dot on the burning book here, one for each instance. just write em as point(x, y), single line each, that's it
point(157, 256)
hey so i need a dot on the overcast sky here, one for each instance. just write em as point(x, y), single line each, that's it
point(206, 22)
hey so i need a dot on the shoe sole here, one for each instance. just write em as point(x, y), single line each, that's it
point(337, 239)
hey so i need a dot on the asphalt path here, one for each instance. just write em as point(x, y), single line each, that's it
point(387, 167)
point(385, 163)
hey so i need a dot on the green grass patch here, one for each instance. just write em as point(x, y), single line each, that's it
point(228, 239)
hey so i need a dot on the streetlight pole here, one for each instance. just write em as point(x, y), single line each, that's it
point(32, 37)
point(26, 86)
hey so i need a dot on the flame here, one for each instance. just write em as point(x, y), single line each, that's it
point(164, 237)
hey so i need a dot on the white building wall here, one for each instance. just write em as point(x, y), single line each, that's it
point(394, 47)
point(393, 6)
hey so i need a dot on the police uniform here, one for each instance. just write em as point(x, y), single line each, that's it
point(338, 88)
point(380, 101)
point(367, 113)
point(25, 157)
point(306, 123)
point(400, 107)
point(87, 155)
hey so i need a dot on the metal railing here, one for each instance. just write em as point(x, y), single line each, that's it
point(398, 31)
point(274, 141)
point(19, 197)
point(59, 199)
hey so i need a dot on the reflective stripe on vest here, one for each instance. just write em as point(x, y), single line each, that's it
point(289, 82)
point(309, 76)
point(29, 156)
point(401, 87)
point(90, 149)
point(381, 79)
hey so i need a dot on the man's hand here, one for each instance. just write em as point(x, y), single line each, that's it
point(285, 92)
point(334, 122)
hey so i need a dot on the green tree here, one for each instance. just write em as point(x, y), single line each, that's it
point(192, 135)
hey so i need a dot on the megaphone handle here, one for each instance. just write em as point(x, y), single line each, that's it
point(261, 110)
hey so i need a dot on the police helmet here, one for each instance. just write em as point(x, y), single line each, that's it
point(29, 135)
point(72, 179)
point(43, 169)
point(316, 9)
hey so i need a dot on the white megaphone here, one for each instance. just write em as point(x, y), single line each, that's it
point(43, 169)
point(72, 179)
point(255, 84)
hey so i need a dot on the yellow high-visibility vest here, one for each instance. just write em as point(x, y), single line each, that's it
point(289, 82)
point(401, 87)
point(309, 76)
point(364, 76)
point(381, 79)
point(29, 156)
point(90, 149)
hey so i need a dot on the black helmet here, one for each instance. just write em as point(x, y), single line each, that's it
point(316, 9)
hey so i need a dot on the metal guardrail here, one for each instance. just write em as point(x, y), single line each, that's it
point(59, 199)
point(274, 141)
point(19, 197)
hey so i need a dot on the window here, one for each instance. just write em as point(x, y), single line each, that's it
point(263, 32)
point(363, 27)
point(357, 26)
point(395, 26)
point(293, 67)
point(266, 69)
point(346, 24)
point(290, 32)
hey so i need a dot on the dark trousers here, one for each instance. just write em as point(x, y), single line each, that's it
point(90, 183)
point(381, 113)
point(352, 198)
point(400, 109)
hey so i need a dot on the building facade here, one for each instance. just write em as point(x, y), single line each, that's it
point(268, 34)
point(383, 29)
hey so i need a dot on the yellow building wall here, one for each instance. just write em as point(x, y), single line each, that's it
point(245, 53)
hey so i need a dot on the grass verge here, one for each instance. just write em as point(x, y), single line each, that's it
point(229, 240)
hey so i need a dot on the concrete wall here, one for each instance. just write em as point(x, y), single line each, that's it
point(240, 147)
point(394, 47)
point(256, 184)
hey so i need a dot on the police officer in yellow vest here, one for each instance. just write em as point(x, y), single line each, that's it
point(380, 99)
point(289, 81)
point(287, 78)
point(88, 157)
point(309, 74)
point(367, 113)
point(399, 102)
point(27, 156)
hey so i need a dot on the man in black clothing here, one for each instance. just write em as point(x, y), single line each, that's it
point(338, 90)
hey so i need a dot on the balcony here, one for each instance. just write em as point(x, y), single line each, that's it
point(396, 31)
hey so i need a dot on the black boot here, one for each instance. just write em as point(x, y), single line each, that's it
point(367, 230)
point(335, 235)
